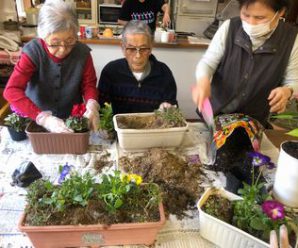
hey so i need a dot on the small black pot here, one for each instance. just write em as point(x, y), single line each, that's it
point(17, 136)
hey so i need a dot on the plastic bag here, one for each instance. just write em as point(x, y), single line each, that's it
point(25, 174)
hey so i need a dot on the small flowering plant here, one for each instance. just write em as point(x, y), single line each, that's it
point(258, 213)
point(125, 191)
point(16, 121)
point(77, 122)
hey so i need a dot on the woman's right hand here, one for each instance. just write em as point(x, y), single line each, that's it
point(283, 238)
point(52, 123)
point(201, 91)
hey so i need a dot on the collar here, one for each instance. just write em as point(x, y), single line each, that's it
point(265, 44)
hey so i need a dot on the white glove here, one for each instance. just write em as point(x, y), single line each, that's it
point(166, 105)
point(92, 113)
point(52, 123)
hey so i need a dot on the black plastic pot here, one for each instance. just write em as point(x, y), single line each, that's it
point(17, 136)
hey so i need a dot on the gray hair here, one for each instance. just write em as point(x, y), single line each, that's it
point(56, 16)
point(136, 27)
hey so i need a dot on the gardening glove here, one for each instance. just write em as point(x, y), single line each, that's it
point(166, 105)
point(92, 113)
point(52, 123)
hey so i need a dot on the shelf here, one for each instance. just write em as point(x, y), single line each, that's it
point(84, 9)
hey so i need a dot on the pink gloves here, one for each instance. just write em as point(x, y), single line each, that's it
point(52, 123)
point(92, 113)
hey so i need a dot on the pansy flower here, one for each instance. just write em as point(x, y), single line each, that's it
point(259, 159)
point(64, 172)
point(78, 110)
point(274, 210)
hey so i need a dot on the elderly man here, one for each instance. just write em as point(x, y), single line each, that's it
point(138, 82)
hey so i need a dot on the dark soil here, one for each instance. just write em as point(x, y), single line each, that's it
point(144, 122)
point(231, 158)
point(177, 176)
point(291, 148)
point(219, 207)
point(34, 128)
point(104, 161)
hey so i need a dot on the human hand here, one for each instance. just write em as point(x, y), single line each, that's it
point(92, 113)
point(201, 91)
point(166, 20)
point(166, 105)
point(283, 238)
point(278, 99)
point(52, 123)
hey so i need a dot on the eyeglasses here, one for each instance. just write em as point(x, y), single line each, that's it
point(66, 44)
point(135, 50)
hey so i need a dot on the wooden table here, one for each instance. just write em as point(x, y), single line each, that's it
point(278, 136)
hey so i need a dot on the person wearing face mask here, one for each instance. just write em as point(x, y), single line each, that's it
point(251, 64)
point(54, 72)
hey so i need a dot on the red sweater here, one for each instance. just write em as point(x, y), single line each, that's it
point(14, 91)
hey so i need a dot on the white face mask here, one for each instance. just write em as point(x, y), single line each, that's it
point(258, 30)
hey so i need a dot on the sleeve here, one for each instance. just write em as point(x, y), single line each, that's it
point(170, 94)
point(210, 60)
point(291, 73)
point(104, 85)
point(16, 86)
point(160, 4)
point(125, 11)
point(89, 81)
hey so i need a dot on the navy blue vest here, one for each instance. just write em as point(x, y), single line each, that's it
point(249, 76)
point(56, 86)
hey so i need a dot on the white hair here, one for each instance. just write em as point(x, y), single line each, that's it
point(56, 16)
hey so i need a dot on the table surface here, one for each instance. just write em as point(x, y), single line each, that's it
point(176, 233)
point(277, 137)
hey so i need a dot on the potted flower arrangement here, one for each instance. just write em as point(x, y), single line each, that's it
point(163, 128)
point(119, 210)
point(16, 124)
point(44, 142)
point(250, 218)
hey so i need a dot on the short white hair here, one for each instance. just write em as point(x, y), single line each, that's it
point(56, 16)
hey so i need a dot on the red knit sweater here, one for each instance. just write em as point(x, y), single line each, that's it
point(14, 91)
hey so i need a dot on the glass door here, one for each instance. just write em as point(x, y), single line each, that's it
point(86, 11)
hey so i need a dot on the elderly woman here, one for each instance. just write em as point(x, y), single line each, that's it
point(251, 65)
point(138, 82)
point(55, 72)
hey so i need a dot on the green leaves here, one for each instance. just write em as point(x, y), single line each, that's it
point(106, 118)
point(77, 124)
point(293, 132)
point(17, 122)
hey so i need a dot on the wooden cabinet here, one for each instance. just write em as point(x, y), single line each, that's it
point(86, 11)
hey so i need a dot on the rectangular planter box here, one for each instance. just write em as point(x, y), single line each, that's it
point(57, 143)
point(221, 233)
point(135, 139)
point(93, 235)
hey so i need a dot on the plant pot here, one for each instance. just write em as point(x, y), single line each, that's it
point(221, 233)
point(136, 139)
point(56, 143)
point(285, 187)
point(17, 136)
point(93, 235)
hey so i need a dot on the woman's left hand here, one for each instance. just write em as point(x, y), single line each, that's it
point(278, 99)
point(166, 20)
point(92, 113)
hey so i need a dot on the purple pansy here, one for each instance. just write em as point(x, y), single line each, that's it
point(65, 171)
point(259, 159)
point(274, 210)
